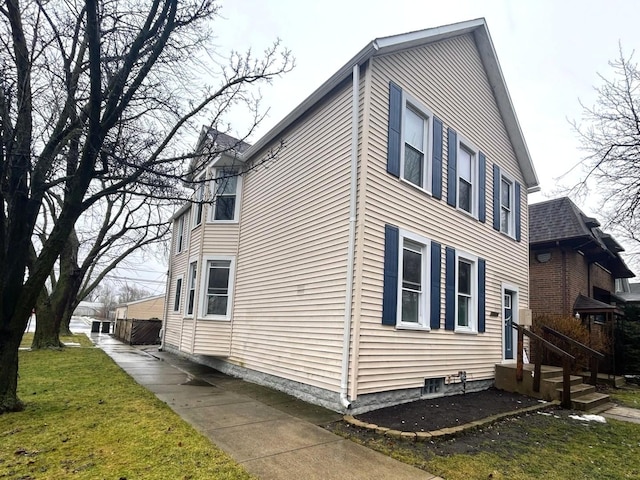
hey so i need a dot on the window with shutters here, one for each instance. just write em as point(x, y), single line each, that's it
point(217, 287)
point(413, 281)
point(415, 155)
point(467, 170)
point(506, 206)
point(466, 292)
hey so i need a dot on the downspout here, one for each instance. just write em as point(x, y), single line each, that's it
point(346, 344)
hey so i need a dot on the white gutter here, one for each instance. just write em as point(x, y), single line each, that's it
point(346, 343)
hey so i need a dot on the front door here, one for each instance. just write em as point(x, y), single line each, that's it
point(508, 329)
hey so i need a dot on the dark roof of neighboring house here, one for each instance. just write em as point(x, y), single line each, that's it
point(221, 140)
point(560, 221)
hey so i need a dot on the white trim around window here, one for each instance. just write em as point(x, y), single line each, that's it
point(192, 284)
point(467, 183)
point(414, 267)
point(198, 205)
point(466, 291)
point(416, 166)
point(507, 205)
point(216, 290)
point(230, 193)
point(182, 232)
point(177, 294)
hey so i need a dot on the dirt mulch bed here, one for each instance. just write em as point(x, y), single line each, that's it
point(444, 412)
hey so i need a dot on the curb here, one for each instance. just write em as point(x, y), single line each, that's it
point(444, 432)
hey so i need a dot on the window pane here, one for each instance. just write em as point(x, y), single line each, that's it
point(218, 280)
point(414, 130)
point(227, 182)
point(504, 221)
point(463, 311)
point(217, 305)
point(410, 306)
point(464, 164)
point(411, 269)
point(464, 195)
point(225, 208)
point(190, 306)
point(413, 162)
point(505, 194)
point(176, 303)
point(464, 277)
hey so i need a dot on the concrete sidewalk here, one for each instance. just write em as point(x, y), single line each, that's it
point(273, 435)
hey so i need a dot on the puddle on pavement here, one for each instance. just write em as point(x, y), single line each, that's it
point(196, 382)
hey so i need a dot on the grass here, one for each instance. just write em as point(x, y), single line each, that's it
point(629, 395)
point(533, 446)
point(87, 419)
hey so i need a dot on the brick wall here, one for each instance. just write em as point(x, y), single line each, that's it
point(555, 285)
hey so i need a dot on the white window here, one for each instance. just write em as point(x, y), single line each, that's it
point(507, 217)
point(181, 234)
point(177, 295)
point(413, 281)
point(191, 292)
point(466, 293)
point(225, 188)
point(415, 156)
point(217, 288)
point(199, 204)
point(467, 173)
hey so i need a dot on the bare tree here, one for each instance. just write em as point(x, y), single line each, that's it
point(610, 136)
point(131, 293)
point(86, 110)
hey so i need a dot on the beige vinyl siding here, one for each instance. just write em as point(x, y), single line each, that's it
point(212, 338)
point(147, 309)
point(178, 267)
point(186, 335)
point(291, 267)
point(448, 78)
point(220, 239)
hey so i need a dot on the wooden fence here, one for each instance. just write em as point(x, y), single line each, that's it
point(138, 332)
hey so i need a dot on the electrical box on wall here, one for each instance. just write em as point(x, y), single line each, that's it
point(524, 317)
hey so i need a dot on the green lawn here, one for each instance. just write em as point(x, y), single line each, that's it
point(629, 395)
point(87, 419)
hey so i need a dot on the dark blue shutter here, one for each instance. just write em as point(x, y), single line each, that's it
point(482, 187)
point(481, 295)
point(395, 121)
point(450, 289)
point(436, 254)
point(517, 213)
point(390, 285)
point(496, 197)
point(452, 165)
point(436, 159)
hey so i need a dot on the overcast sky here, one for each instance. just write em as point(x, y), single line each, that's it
point(550, 52)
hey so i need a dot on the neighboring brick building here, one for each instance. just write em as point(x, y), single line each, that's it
point(573, 264)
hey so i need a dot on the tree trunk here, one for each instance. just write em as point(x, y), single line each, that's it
point(9, 401)
point(47, 324)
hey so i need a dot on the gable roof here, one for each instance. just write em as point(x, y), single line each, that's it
point(142, 300)
point(560, 221)
point(385, 45)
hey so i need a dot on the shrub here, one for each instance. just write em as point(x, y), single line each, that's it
point(598, 339)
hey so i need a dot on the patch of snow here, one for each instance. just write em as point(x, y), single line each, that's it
point(589, 418)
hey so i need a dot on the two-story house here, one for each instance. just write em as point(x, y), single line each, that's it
point(381, 254)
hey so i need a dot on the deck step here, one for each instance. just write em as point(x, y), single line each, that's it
point(557, 381)
point(589, 402)
point(577, 391)
point(606, 379)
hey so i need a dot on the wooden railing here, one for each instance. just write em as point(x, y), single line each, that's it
point(567, 359)
point(594, 356)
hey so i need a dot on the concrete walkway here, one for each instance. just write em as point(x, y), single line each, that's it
point(273, 435)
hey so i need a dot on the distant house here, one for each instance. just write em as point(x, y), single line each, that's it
point(143, 309)
point(375, 260)
point(629, 293)
point(573, 264)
